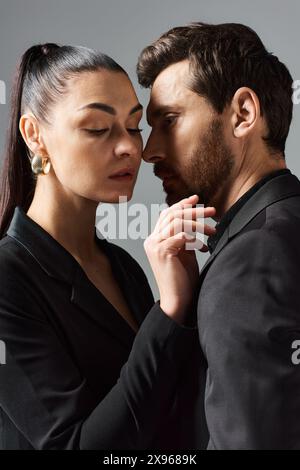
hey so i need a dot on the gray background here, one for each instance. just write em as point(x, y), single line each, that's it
point(121, 28)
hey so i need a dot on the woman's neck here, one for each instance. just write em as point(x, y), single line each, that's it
point(68, 218)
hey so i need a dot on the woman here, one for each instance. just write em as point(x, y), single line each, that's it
point(91, 361)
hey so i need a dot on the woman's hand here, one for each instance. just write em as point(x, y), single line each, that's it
point(175, 268)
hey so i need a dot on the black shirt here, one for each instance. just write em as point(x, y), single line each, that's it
point(232, 212)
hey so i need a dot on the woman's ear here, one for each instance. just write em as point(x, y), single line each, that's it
point(31, 133)
point(245, 111)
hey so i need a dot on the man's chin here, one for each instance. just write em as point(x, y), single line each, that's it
point(173, 198)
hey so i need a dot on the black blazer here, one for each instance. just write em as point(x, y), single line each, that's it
point(76, 376)
point(249, 316)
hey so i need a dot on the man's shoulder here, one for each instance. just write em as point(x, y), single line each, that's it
point(273, 232)
point(287, 209)
point(278, 222)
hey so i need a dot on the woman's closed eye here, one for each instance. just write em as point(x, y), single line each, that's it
point(96, 131)
point(102, 131)
point(135, 131)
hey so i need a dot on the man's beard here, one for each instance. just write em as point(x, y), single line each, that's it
point(207, 169)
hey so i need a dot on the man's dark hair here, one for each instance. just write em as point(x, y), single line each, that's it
point(222, 59)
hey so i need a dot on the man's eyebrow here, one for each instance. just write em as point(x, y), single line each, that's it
point(109, 109)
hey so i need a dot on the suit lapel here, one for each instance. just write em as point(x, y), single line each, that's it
point(277, 189)
point(222, 242)
point(132, 293)
point(129, 285)
point(58, 263)
point(90, 300)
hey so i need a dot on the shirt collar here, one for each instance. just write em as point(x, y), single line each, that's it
point(221, 226)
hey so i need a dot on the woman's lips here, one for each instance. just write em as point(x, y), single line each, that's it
point(126, 177)
point(126, 174)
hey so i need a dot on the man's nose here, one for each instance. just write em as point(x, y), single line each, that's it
point(152, 153)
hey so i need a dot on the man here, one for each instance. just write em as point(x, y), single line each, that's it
point(220, 111)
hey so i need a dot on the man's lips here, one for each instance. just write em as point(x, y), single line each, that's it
point(164, 176)
point(167, 181)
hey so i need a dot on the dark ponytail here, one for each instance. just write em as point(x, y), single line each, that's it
point(17, 184)
point(39, 81)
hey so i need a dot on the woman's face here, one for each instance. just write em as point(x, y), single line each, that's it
point(94, 134)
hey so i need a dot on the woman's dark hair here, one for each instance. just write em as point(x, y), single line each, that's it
point(223, 58)
point(40, 80)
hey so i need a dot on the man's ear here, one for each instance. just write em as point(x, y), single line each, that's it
point(245, 111)
point(32, 135)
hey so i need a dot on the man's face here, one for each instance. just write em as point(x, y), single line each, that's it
point(187, 143)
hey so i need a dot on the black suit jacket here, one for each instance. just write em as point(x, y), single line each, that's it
point(248, 319)
point(76, 376)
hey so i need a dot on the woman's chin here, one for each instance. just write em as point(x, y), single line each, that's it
point(118, 198)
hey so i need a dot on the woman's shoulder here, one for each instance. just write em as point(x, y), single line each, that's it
point(17, 291)
point(11, 252)
point(15, 264)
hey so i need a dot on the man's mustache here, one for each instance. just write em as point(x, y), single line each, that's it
point(162, 171)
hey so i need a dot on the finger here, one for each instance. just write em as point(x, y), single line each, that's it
point(190, 201)
point(186, 201)
point(174, 244)
point(196, 244)
point(195, 213)
point(189, 226)
point(204, 248)
point(182, 241)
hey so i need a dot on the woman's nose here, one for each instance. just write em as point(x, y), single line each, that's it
point(128, 146)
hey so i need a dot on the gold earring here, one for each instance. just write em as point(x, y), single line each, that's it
point(40, 165)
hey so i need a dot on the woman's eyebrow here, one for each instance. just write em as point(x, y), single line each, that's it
point(109, 109)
